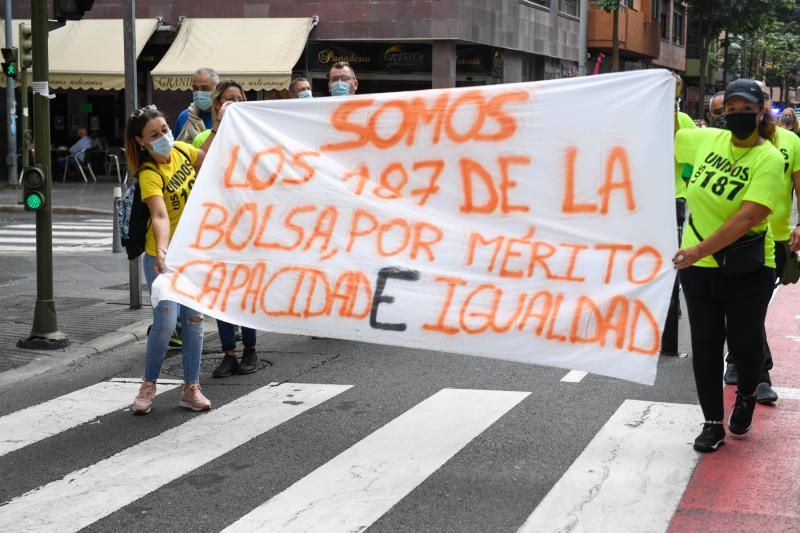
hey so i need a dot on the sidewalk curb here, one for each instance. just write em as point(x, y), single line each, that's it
point(14, 208)
point(71, 356)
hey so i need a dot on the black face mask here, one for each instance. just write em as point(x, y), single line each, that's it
point(786, 119)
point(719, 122)
point(742, 125)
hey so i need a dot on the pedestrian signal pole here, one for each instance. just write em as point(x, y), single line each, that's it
point(10, 72)
point(37, 188)
point(25, 62)
point(131, 104)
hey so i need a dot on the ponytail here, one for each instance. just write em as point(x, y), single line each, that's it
point(766, 128)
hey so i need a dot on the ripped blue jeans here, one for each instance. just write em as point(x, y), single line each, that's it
point(165, 316)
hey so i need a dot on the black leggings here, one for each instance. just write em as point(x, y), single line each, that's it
point(718, 304)
point(780, 261)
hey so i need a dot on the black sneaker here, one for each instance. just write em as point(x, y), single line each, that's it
point(249, 362)
point(766, 394)
point(741, 419)
point(227, 367)
point(730, 377)
point(711, 438)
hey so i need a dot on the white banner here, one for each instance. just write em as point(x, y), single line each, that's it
point(530, 222)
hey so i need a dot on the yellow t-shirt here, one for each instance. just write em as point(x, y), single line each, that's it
point(684, 121)
point(716, 189)
point(173, 181)
point(781, 218)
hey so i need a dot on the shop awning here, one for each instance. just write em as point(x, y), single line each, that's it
point(89, 53)
point(259, 53)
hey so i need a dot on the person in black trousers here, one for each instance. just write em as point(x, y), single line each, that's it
point(732, 191)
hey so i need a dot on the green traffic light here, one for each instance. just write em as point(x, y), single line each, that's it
point(34, 201)
point(11, 70)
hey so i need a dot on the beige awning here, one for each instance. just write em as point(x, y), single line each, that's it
point(89, 53)
point(259, 53)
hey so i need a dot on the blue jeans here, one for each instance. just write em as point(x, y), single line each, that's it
point(165, 316)
point(227, 336)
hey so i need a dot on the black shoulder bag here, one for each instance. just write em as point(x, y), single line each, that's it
point(744, 255)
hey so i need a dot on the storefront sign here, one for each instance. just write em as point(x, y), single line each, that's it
point(405, 58)
point(475, 60)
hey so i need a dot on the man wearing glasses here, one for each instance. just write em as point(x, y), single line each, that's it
point(342, 79)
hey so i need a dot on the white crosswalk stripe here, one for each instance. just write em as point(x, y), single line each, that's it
point(79, 236)
point(354, 489)
point(85, 496)
point(33, 424)
point(638, 465)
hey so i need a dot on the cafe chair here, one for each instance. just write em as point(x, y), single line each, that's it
point(82, 165)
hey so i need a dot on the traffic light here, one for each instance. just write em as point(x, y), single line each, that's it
point(71, 9)
point(34, 197)
point(10, 63)
point(25, 45)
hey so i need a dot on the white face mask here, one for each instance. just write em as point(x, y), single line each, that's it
point(305, 94)
point(202, 99)
point(340, 88)
point(163, 145)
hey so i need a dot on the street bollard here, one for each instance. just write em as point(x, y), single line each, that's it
point(117, 246)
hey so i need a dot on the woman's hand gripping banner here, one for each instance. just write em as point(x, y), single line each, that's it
point(529, 222)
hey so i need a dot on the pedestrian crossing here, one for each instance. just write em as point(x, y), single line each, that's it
point(76, 236)
point(630, 477)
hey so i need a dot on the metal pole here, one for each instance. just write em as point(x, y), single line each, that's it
point(44, 333)
point(131, 104)
point(11, 106)
point(582, 36)
point(23, 103)
point(117, 246)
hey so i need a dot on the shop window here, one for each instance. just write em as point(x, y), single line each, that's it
point(677, 23)
point(568, 7)
point(537, 3)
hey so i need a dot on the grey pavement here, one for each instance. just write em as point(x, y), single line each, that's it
point(90, 290)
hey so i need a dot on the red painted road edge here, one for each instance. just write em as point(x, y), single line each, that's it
point(753, 484)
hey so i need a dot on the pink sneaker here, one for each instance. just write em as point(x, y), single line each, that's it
point(193, 399)
point(144, 400)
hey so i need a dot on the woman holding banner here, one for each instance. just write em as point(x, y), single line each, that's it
point(230, 91)
point(726, 258)
point(166, 171)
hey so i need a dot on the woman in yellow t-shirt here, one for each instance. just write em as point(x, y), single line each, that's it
point(166, 171)
point(733, 189)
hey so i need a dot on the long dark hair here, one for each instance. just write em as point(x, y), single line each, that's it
point(766, 128)
point(135, 155)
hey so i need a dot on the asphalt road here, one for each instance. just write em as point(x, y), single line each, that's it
point(492, 483)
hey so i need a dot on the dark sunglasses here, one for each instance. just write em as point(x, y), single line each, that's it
point(139, 112)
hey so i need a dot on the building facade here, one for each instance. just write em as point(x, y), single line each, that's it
point(652, 33)
point(393, 45)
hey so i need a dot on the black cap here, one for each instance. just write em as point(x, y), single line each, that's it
point(747, 89)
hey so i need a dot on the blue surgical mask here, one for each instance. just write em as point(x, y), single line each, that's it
point(202, 99)
point(305, 94)
point(340, 88)
point(163, 145)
